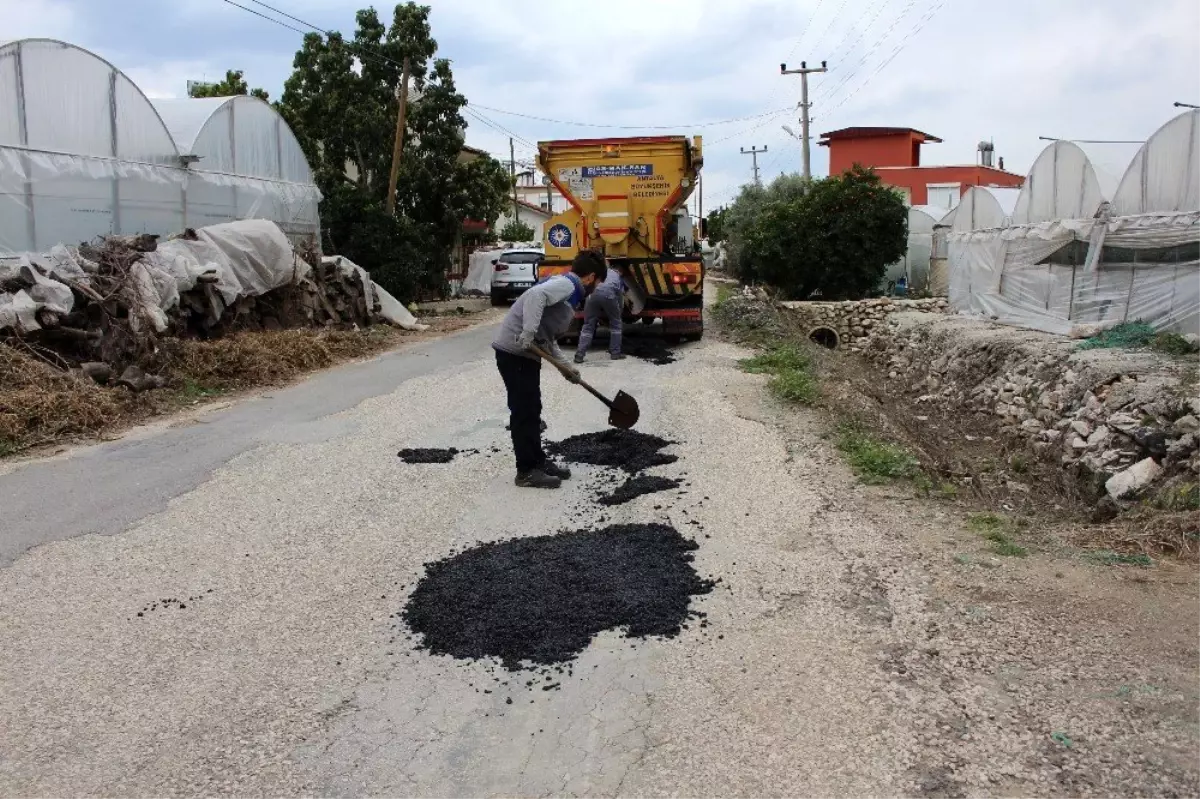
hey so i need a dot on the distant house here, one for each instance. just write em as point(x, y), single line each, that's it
point(531, 189)
point(895, 155)
point(534, 216)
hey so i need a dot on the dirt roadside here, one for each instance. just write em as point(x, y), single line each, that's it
point(1043, 671)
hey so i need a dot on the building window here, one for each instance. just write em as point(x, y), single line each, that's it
point(944, 195)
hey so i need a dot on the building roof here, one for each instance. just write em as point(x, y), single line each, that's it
point(870, 133)
point(994, 169)
point(531, 207)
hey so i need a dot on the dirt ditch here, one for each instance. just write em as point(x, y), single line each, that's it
point(638, 486)
point(624, 449)
point(531, 602)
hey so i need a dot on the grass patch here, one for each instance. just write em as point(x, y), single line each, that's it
point(874, 460)
point(724, 292)
point(776, 359)
point(997, 529)
point(791, 369)
point(793, 385)
point(1107, 557)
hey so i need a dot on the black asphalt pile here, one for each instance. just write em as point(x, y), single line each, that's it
point(428, 455)
point(648, 348)
point(532, 602)
point(635, 487)
point(624, 449)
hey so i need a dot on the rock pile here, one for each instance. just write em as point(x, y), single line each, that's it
point(854, 321)
point(1126, 416)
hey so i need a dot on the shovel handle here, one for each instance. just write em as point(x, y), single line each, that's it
point(567, 374)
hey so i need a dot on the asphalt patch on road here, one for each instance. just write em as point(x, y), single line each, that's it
point(427, 455)
point(534, 602)
point(648, 348)
point(638, 486)
point(623, 449)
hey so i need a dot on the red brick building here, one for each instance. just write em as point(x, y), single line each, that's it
point(895, 154)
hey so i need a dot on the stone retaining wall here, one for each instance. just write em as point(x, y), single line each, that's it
point(855, 321)
point(1130, 417)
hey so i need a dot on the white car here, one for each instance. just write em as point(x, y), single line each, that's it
point(514, 271)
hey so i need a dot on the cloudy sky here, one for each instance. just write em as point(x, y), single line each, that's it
point(962, 70)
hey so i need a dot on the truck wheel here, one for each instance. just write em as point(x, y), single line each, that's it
point(496, 299)
point(694, 336)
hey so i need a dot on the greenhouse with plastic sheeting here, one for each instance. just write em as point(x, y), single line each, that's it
point(1086, 249)
point(84, 153)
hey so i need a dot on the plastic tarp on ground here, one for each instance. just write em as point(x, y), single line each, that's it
point(390, 308)
point(84, 153)
point(247, 258)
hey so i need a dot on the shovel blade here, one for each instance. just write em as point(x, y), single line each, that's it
point(624, 411)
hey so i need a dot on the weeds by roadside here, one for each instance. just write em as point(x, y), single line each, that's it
point(792, 379)
point(874, 460)
point(41, 405)
point(998, 530)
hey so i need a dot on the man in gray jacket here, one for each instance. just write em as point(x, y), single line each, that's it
point(540, 316)
point(606, 302)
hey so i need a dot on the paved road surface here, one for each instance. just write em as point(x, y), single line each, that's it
point(832, 664)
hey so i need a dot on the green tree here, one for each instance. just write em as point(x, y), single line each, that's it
point(234, 85)
point(341, 101)
point(716, 225)
point(516, 230)
point(835, 240)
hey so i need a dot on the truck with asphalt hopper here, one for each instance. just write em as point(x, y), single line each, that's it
point(628, 198)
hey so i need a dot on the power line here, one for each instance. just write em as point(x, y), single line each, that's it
point(628, 127)
point(741, 133)
point(268, 19)
point(862, 31)
point(832, 92)
point(899, 48)
point(804, 32)
point(497, 127)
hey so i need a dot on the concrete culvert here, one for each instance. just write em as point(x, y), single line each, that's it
point(827, 337)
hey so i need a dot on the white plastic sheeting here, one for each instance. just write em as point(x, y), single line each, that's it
point(1078, 252)
point(914, 266)
point(983, 207)
point(84, 153)
point(247, 258)
point(390, 308)
point(250, 163)
point(1164, 175)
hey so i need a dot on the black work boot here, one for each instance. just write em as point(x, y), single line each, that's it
point(617, 356)
point(579, 356)
point(536, 478)
point(556, 470)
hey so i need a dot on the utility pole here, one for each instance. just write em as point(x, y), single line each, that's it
point(512, 171)
point(398, 143)
point(753, 153)
point(804, 72)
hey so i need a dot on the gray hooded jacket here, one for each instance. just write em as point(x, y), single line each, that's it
point(541, 315)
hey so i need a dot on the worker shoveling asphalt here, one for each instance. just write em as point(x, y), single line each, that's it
point(529, 334)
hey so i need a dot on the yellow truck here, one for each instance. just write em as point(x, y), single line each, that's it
point(629, 197)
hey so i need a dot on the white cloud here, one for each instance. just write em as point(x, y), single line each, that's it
point(1009, 72)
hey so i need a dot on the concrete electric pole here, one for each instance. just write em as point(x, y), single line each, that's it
point(804, 72)
point(753, 153)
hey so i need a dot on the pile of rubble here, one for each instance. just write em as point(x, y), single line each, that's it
point(103, 308)
point(1131, 418)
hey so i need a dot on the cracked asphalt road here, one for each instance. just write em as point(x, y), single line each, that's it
point(840, 658)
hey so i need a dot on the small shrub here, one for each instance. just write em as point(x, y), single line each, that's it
point(996, 529)
point(1173, 344)
point(874, 460)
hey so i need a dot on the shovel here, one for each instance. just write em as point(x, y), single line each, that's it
point(622, 409)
